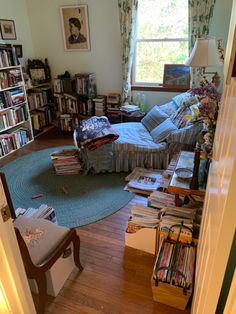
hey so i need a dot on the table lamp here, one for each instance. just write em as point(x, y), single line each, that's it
point(205, 54)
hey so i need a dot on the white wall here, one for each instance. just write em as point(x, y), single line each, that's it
point(17, 10)
point(104, 58)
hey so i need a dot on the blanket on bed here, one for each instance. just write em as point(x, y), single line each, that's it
point(95, 132)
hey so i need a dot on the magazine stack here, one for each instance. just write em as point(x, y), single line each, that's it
point(141, 232)
point(66, 162)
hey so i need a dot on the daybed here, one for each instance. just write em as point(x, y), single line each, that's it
point(149, 143)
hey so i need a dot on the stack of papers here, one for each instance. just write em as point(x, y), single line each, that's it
point(143, 181)
point(44, 211)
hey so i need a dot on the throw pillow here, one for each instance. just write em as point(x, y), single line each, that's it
point(179, 118)
point(153, 118)
point(184, 99)
point(161, 132)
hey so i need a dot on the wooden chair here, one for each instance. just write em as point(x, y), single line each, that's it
point(41, 253)
point(38, 271)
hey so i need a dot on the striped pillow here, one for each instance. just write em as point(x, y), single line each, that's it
point(153, 118)
point(161, 132)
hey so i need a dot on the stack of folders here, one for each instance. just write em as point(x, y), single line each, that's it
point(66, 162)
point(175, 264)
point(44, 211)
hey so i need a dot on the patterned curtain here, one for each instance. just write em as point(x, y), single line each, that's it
point(128, 14)
point(200, 14)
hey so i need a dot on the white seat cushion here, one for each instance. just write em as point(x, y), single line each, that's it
point(41, 236)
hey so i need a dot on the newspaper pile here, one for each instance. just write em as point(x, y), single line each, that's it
point(44, 211)
point(143, 181)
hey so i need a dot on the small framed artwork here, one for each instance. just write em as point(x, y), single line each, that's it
point(8, 30)
point(19, 51)
point(75, 27)
point(176, 76)
point(38, 71)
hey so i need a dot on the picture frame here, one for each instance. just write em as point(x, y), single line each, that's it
point(7, 28)
point(176, 76)
point(38, 71)
point(19, 51)
point(75, 27)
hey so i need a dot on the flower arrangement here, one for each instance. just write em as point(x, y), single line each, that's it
point(207, 110)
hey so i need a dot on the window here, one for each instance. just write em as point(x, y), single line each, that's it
point(162, 38)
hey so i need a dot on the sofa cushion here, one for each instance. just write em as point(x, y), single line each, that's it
point(161, 132)
point(40, 235)
point(169, 108)
point(153, 118)
point(184, 99)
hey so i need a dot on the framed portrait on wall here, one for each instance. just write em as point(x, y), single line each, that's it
point(176, 76)
point(75, 27)
point(8, 30)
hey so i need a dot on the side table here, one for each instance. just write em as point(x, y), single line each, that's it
point(132, 117)
point(181, 187)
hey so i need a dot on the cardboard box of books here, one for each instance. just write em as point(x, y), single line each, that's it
point(142, 229)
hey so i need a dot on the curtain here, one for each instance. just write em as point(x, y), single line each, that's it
point(200, 14)
point(128, 15)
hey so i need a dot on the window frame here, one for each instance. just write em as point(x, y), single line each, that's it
point(151, 86)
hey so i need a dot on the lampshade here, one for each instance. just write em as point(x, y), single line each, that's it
point(204, 54)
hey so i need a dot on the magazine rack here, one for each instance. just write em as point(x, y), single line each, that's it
point(167, 291)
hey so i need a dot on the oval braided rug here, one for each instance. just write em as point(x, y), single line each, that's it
point(90, 198)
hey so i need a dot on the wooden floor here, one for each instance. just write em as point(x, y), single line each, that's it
point(115, 279)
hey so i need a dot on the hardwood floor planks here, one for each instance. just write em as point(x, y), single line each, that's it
point(115, 279)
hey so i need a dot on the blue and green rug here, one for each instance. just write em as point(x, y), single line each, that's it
point(90, 198)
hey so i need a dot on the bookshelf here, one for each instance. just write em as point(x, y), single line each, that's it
point(42, 107)
point(65, 99)
point(15, 123)
point(86, 90)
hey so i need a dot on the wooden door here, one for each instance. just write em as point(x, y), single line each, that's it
point(219, 214)
point(15, 295)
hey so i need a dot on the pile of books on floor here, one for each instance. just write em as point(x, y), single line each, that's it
point(100, 105)
point(143, 181)
point(44, 211)
point(141, 231)
point(66, 162)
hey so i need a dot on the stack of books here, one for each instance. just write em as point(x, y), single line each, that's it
point(66, 162)
point(113, 107)
point(100, 105)
point(44, 211)
point(129, 108)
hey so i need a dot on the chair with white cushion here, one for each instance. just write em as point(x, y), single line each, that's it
point(41, 244)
